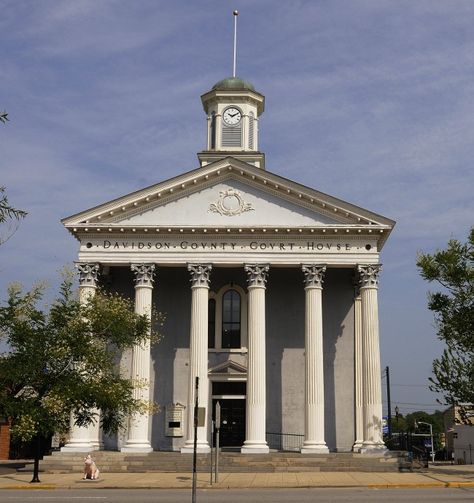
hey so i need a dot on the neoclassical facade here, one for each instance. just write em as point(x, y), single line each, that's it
point(270, 293)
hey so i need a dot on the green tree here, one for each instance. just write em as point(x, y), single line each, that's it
point(62, 360)
point(453, 307)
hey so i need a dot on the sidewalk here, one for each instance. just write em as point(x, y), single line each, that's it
point(445, 476)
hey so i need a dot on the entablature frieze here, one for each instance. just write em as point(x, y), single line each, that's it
point(342, 250)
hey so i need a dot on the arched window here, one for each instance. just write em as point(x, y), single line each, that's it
point(227, 324)
point(231, 319)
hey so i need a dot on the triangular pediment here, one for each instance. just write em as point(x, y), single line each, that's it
point(196, 197)
point(227, 194)
point(228, 367)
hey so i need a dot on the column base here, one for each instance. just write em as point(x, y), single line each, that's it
point(138, 447)
point(79, 447)
point(357, 446)
point(373, 448)
point(314, 448)
point(200, 449)
point(254, 447)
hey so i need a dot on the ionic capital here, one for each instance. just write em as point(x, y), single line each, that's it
point(144, 274)
point(88, 273)
point(369, 275)
point(313, 275)
point(200, 274)
point(256, 274)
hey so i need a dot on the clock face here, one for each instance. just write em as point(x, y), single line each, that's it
point(232, 116)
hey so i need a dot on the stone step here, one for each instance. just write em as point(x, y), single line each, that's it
point(109, 461)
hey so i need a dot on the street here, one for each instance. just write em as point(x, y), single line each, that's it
point(239, 496)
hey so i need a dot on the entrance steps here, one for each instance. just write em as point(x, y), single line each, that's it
point(160, 461)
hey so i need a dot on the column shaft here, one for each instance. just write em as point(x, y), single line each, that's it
point(359, 408)
point(85, 438)
point(256, 374)
point(198, 356)
point(314, 373)
point(138, 438)
point(372, 389)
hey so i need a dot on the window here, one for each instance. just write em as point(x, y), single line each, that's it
point(231, 319)
point(211, 328)
point(227, 325)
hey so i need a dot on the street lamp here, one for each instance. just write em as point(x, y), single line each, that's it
point(431, 435)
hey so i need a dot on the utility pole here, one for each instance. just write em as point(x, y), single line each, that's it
point(389, 403)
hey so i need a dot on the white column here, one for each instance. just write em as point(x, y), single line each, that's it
point(198, 355)
point(358, 388)
point(85, 438)
point(138, 438)
point(372, 388)
point(314, 363)
point(256, 375)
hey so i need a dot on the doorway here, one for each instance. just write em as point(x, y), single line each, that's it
point(231, 396)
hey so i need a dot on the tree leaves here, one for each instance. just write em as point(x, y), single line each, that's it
point(67, 356)
point(453, 308)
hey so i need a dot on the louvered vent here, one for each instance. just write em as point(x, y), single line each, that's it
point(251, 130)
point(232, 136)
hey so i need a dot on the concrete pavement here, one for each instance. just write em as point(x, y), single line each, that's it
point(442, 476)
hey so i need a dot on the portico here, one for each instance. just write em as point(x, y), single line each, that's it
point(270, 292)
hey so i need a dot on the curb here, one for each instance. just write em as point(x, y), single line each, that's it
point(48, 487)
point(428, 485)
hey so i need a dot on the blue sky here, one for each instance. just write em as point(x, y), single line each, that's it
point(367, 100)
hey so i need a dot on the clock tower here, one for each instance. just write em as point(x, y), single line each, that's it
point(233, 108)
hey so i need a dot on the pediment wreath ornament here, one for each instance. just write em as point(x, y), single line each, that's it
point(230, 204)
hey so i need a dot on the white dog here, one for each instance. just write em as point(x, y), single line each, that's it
point(90, 469)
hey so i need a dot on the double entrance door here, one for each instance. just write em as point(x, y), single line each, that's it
point(231, 397)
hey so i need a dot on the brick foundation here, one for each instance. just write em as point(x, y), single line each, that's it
point(4, 440)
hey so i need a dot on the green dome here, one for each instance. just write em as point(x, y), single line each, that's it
point(233, 83)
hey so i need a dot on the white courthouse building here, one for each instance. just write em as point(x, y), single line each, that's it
point(270, 293)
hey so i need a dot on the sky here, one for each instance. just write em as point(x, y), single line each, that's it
point(370, 101)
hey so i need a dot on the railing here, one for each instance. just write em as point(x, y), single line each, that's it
point(285, 441)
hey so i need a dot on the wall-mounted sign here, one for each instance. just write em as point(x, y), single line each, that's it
point(321, 246)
